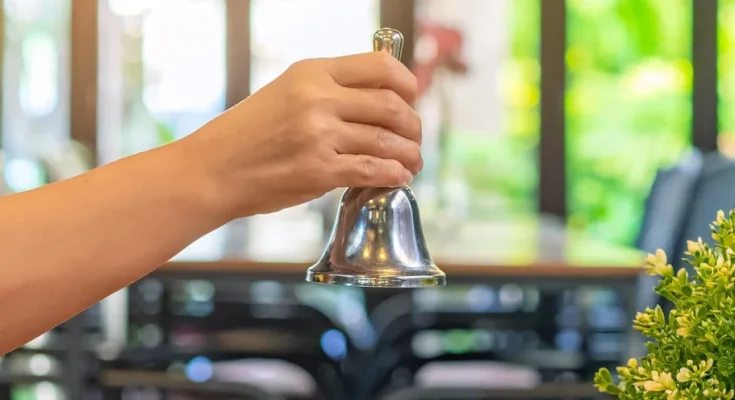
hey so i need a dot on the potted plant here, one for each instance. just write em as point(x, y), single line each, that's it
point(691, 354)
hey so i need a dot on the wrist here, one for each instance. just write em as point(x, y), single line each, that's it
point(205, 189)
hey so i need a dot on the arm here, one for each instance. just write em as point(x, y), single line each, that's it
point(321, 125)
point(68, 245)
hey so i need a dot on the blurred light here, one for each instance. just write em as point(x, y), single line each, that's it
point(511, 296)
point(128, 8)
point(39, 364)
point(568, 340)
point(267, 292)
point(38, 342)
point(151, 289)
point(179, 291)
point(23, 174)
point(427, 344)
point(177, 48)
point(199, 369)
point(334, 344)
point(39, 84)
point(480, 298)
point(655, 77)
point(531, 299)
point(351, 314)
point(200, 290)
point(458, 341)
point(200, 308)
point(47, 391)
point(150, 335)
point(483, 340)
point(23, 10)
point(569, 317)
point(607, 317)
point(427, 299)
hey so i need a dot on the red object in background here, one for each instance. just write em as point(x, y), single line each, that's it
point(437, 47)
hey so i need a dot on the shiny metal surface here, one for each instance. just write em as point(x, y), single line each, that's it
point(377, 239)
point(390, 40)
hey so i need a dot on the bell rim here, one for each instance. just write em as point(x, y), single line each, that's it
point(387, 282)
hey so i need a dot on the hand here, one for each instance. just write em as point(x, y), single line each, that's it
point(323, 124)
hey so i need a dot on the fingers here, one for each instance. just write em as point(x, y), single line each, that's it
point(380, 107)
point(376, 70)
point(381, 143)
point(368, 171)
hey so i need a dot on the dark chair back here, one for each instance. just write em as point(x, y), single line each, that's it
point(715, 191)
point(665, 216)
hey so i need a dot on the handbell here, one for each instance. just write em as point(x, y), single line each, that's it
point(377, 239)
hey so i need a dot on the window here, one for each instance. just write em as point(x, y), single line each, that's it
point(478, 66)
point(628, 105)
point(162, 71)
point(35, 86)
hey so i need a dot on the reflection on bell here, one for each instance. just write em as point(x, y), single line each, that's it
point(377, 241)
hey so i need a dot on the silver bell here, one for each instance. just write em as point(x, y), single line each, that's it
point(377, 241)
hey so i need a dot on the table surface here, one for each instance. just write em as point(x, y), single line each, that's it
point(531, 246)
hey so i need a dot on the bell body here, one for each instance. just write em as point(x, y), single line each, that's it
point(377, 241)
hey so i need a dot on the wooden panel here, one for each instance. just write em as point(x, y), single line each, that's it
point(238, 51)
point(552, 156)
point(84, 36)
point(400, 14)
point(705, 125)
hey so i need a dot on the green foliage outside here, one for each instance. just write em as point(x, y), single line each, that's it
point(726, 76)
point(628, 106)
point(691, 354)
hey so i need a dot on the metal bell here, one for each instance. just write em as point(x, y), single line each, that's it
point(377, 239)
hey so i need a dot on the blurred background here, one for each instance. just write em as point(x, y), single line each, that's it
point(563, 139)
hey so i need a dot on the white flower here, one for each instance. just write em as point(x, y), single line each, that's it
point(683, 375)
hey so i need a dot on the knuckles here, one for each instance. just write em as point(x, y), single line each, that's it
point(391, 104)
point(365, 169)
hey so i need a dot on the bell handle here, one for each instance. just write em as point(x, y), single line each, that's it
point(390, 40)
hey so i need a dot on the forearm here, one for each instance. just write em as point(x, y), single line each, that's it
point(68, 245)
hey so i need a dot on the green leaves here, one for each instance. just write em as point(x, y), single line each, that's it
point(692, 351)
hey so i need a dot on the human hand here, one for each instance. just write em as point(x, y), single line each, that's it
point(323, 124)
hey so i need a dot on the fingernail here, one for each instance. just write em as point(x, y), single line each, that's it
point(407, 177)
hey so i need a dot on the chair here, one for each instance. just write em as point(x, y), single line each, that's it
point(411, 332)
point(242, 331)
point(666, 210)
point(715, 191)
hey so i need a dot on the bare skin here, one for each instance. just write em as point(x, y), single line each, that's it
point(323, 124)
